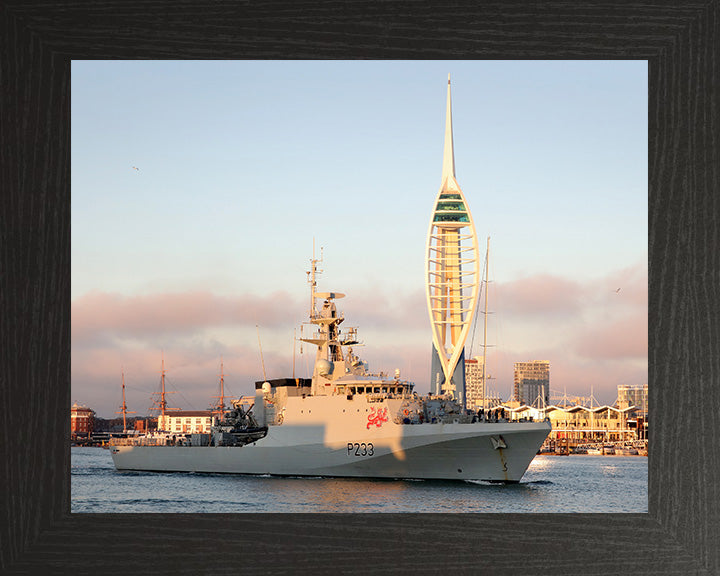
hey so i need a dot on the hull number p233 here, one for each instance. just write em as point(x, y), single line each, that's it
point(360, 449)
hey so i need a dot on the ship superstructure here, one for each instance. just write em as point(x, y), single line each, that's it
point(452, 275)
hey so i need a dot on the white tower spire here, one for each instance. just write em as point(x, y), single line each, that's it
point(448, 153)
point(452, 276)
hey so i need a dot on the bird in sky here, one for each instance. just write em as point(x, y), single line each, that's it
point(136, 168)
point(617, 291)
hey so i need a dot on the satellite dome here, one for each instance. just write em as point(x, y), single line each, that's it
point(324, 367)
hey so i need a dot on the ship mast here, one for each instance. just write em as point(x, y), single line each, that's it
point(163, 403)
point(123, 408)
point(262, 360)
point(485, 313)
point(327, 338)
point(293, 363)
point(222, 385)
point(312, 279)
point(220, 405)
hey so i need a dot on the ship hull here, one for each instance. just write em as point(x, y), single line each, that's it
point(496, 452)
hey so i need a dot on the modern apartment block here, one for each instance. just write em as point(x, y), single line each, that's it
point(532, 382)
point(634, 395)
point(474, 388)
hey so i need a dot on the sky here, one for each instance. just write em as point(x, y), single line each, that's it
point(199, 189)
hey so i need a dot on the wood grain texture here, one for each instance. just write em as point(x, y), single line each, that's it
point(681, 533)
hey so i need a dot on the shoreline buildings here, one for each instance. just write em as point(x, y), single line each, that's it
point(474, 385)
point(531, 383)
point(578, 424)
point(477, 391)
point(82, 420)
point(452, 276)
point(634, 395)
point(185, 421)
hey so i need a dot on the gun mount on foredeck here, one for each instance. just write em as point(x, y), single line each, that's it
point(237, 427)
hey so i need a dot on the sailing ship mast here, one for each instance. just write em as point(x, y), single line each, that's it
point(162, 404)
point(219, 407)
point(123, 408)
point(222, 385)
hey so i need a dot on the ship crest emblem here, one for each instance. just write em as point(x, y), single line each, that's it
point(377, 417)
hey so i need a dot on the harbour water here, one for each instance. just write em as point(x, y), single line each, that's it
point(552, 484)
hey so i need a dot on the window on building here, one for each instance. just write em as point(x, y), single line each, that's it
point(443, 206)
point(446, 217)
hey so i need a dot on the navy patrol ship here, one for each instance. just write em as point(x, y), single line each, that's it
point(344, 422)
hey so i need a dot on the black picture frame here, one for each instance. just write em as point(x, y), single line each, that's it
point(681, 532)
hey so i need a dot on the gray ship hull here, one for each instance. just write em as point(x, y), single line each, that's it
point(497, 452)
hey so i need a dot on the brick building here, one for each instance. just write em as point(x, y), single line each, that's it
point(82, 420)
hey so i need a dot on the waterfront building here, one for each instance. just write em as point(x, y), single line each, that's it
point(186, 422)
point(452, 275)
point(582, 424)
point(474, 385)
point(601, 423)
point(565, 400)
point(532, 383)
point(82, 420)
point(478, 393)
point(143, 425)
point(633, 395)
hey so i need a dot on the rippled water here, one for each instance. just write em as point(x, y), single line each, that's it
point(551, 484)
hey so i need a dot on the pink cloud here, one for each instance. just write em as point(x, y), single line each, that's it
point(580, 376)
point(545, 295)
point(569, 373)
point(632, 283)
point(626, 337)
point(99, 315)
point(192, 374)
point(380, 310)
point(413, 360)
point(541, 295)
point(596, 337)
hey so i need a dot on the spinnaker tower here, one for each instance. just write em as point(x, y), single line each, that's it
point(452, 275)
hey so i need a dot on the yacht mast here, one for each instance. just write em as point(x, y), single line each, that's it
point(485, 313)
point(293, 363)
